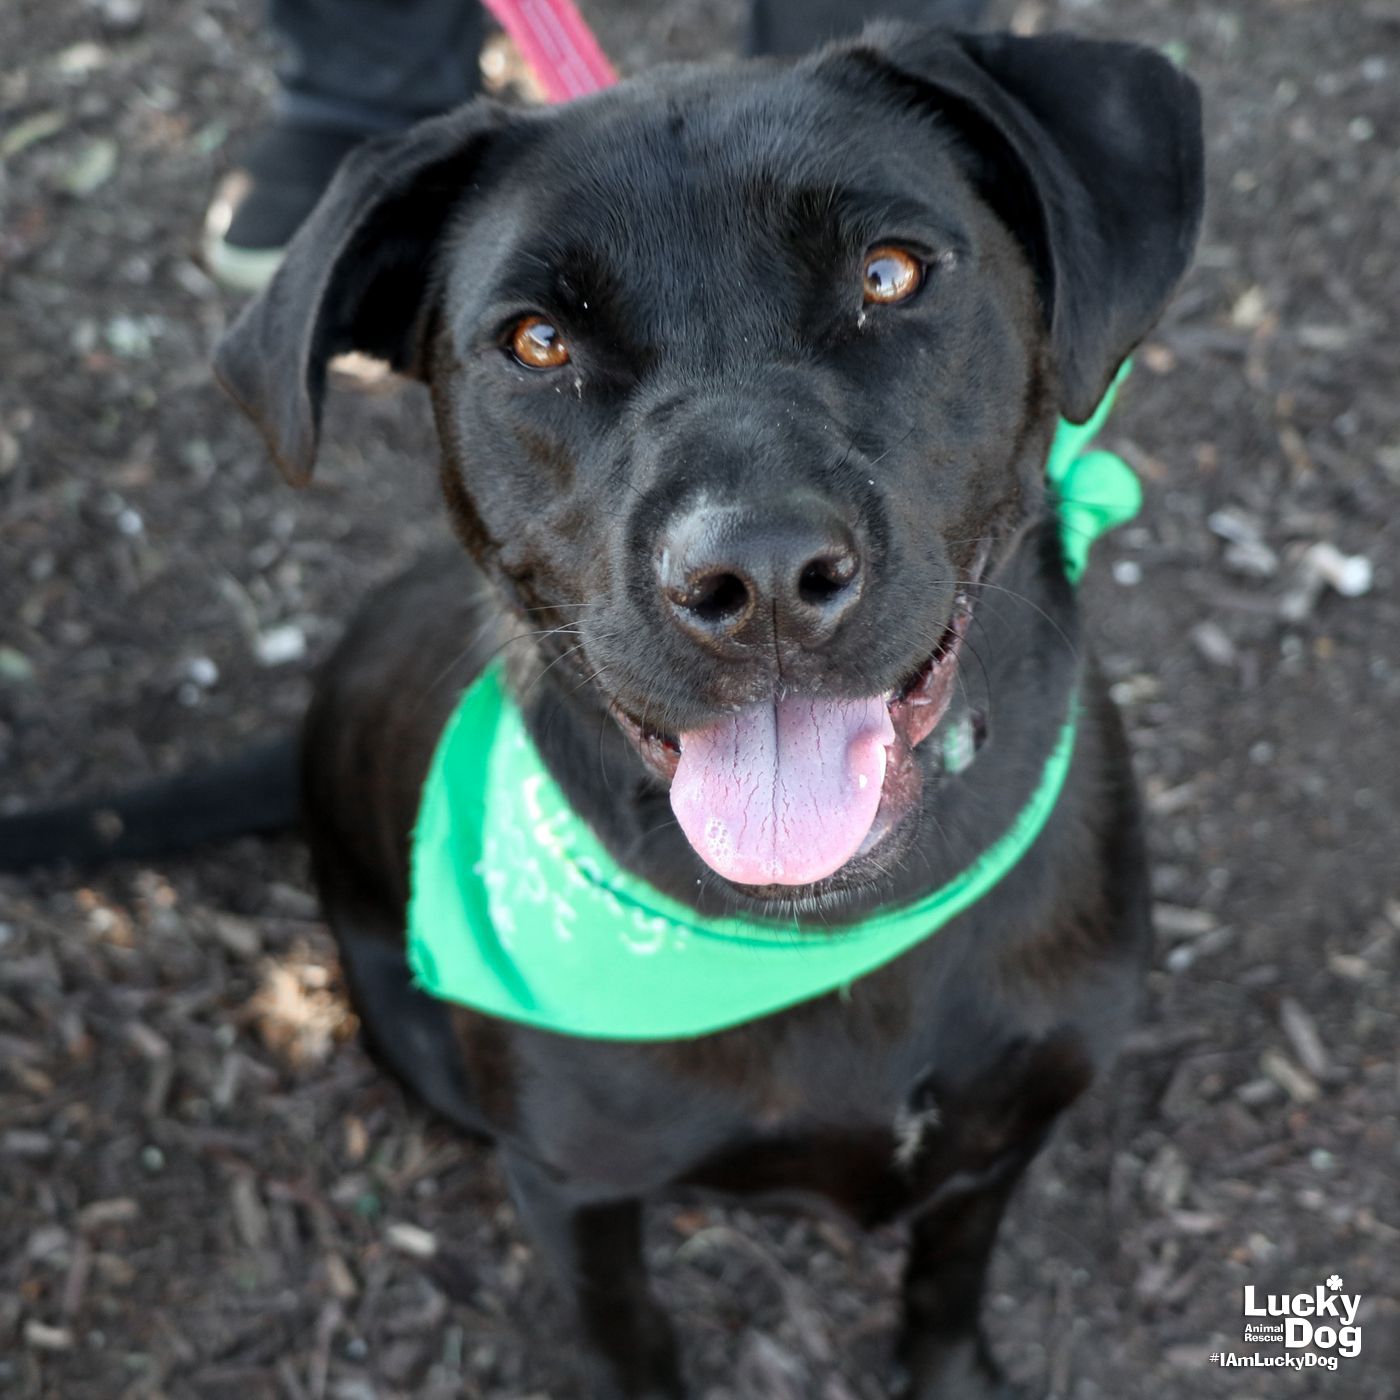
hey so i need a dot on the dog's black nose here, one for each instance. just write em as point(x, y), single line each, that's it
point(786, 572)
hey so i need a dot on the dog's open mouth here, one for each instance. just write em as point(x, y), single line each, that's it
point(786, 792)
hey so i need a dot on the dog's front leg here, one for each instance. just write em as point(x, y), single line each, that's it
point(942, 1350)
point(595, 1251)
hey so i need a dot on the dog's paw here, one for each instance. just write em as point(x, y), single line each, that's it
point(608, 1389)
point(978, 1387)
point(648, 1370)
point(958, 1372)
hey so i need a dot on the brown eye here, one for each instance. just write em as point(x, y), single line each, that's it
point(891, 275)
point(538, 344)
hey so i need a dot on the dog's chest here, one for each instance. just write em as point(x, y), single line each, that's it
point(872, 1144)
point(873, 1115)
point(870, 1176)
point(866, 1130)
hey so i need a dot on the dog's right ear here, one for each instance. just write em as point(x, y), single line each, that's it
point(357, 276)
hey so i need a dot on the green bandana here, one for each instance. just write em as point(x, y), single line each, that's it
point(518, 910)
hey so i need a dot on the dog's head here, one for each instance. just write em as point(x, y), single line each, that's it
point(742, 372)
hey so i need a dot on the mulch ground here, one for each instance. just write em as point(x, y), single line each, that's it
point(205, 1188)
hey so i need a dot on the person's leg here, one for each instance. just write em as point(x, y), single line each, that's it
point(350, 68)
point(375, 65)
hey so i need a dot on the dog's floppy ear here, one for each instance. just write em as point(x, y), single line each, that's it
point(1090, 152)
point(356, 277)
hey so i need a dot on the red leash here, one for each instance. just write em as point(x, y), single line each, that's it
point(556, 42)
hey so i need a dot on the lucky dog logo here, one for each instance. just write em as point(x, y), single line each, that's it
point(1324, 1320)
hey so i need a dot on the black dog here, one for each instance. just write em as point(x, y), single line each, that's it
point(745, 378)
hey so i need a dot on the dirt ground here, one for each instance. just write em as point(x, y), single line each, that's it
point(205, 1188)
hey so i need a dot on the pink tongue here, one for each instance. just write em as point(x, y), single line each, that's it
point(783, 793)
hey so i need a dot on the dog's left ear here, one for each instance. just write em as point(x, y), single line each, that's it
point(357, 276)
point(1092, 155)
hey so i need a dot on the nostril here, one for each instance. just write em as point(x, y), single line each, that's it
point(717, 598)
point(787, 570)
point(823, 578)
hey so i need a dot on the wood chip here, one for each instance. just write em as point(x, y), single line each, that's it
point(42, 1337)
point(318, 1370)
point(1300, 1086)
point(114, 1269)
point(76, 1282)
point(1197, 1222)
point(151, 1044)
point(249, 1213)
point(1301, 1030)
point(339, 1278)
point(1177, 921)
point(356, 1139)
point(1167, 801)
point(1350, 966)
point(412, 1240)
point(1257, 1091)
point(47, 1241)
point(22, 1142)
point(1188, 1356)
point(117, 1210)
point(1214, 643)
point(241, 937)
